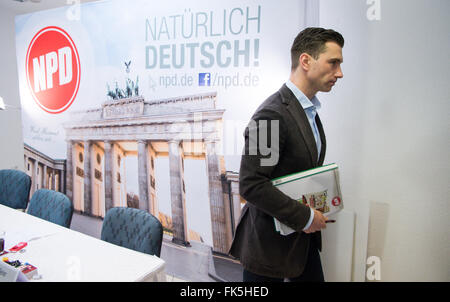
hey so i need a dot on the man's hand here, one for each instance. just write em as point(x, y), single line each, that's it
point(318, 223)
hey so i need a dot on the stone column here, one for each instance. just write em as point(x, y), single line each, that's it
point(34, 178)
point(62, 188)
point(26, 171)
point(143, 175)
point(177, 193)
point(236, 201)
point(87, 178)
point(108, 176)
point(26, 163)
point(44, 177)
point(69, 171)
point(220, 215)
point(153, 202)
point(54, 180)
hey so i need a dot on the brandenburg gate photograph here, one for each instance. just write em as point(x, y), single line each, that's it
point(188, 127)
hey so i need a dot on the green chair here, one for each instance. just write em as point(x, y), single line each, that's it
point(51, 206)
point(15, 188)
point(134, 229)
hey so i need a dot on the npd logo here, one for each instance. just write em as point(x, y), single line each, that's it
point(53, 69)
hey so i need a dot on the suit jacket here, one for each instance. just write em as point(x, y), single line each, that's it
point(259, 247)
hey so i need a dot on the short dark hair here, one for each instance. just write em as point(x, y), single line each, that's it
point(312, 41)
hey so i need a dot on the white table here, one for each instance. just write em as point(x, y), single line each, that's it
point(61, 254)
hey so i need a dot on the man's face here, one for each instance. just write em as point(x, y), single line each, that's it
point(325, 71)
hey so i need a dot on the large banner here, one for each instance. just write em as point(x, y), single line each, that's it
point(143, 104)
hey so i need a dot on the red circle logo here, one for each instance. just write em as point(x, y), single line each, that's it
point(53, 69)
point(336, 201)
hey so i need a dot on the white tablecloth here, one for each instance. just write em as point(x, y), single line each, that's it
point(62, 254)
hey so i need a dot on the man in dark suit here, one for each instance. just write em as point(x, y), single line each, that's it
point(288, 126)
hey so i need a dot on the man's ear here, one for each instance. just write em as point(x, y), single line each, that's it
point(304, 61)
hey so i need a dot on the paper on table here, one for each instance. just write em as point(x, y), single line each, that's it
point(8, 273)
point(12, 238)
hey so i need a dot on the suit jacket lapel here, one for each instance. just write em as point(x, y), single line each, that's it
point(299, 115)
point(323, 140)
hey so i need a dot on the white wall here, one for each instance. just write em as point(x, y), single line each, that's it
point(11, 140)
point(387, 126)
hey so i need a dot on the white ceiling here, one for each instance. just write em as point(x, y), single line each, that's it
point(28, 6)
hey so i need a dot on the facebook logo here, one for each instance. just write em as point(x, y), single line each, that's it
point(204, 79)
